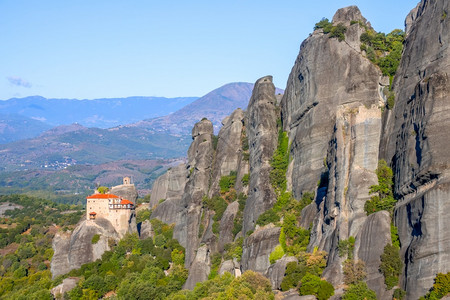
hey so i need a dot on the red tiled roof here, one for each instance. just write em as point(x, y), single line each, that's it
point(125, 201)
point(93, 213)
point(102, 196)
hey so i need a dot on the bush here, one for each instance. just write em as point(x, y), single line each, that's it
point(346, 247)
point(245, 179)
point(359, 291)
point(383, 199)
point(354, 271)
point(399, 294)
point(338, 32)
point(391, 265)
point(313, 285)
point(325, 24)
point(95, 238)
point(267, 217)
point(227, 182)
point(276, 254)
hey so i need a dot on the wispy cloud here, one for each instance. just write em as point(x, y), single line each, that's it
point(19, 81)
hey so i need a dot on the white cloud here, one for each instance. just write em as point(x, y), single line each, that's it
point(19, 81)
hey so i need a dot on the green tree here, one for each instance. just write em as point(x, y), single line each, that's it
point(359, 291)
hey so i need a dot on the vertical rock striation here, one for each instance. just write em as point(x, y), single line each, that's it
point(262, 137)
point(332, 111)
point(416, 141)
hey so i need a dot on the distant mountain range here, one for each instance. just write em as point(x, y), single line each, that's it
point(215, 106)
point(45, 113)
point(26, 163)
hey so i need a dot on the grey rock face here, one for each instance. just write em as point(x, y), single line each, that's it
point(199, 269)
point(257, 248)
point(169, 185)
point(331, 110)
point(374, 235)
point(226, 225)
point(416, 141)
point(229, 150)
point(200, 156)
point(71, 250)
point(230, 266)
point(127, 191)
point(146, 230)
point(327, 74)
point(276, 271)
point(262, 135)
point(66, 286)
point(423, 226)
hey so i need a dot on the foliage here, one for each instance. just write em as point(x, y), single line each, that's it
point(385, 51)
point(238, 219)
point(276, 254)
point(227, 182)
point(354, 271)
point(394, 236)
point(383, 198)
point(267, 217)
point(103, 189)
point(95, 238)
point(216, 260)
point(325, 24)
point(29, 230)
point(280, 162)
point(346, 247)
point(337, 31)
point(234, 250)
point(313, 285)
point(142, 215)
point(391, 265)
point(399, 294)
point(245, 179)
point(359, 291)
point(215, 141)
point(250, 285)
point(135, 268)
point(218, 205)
point(312, 263)
point(441, 287)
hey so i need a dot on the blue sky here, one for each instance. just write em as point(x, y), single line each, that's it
point(89, 49)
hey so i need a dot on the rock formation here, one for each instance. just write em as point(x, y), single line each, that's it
point(72, 249)
point(262, 139)
point(334, 113)
point(415, 140)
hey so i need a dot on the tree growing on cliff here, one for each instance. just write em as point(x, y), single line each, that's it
point(383, 198)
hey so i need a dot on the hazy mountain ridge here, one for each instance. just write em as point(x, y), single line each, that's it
point(215, 106)
point(16, 127)
point(100, 113)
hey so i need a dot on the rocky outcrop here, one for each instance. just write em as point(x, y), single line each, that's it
point(126, 191)
point(262, 138)
point(332, 111)
point(416, 141)
point(199, 269)
point(374, 235)
point(257, 248)
point(227, 224)
point(229, 150)
point(72, 249)
point(66, 286)
point(169, 186)
point(327, 74)
point(200, 156)
point(230, 266)
point(276, 271)
point(145, 230)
